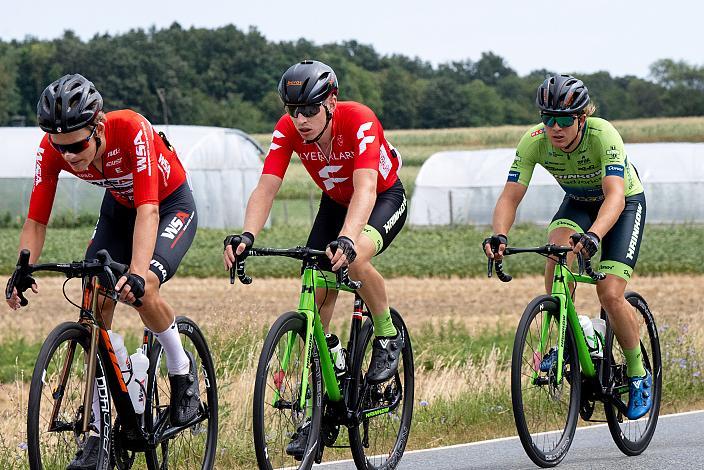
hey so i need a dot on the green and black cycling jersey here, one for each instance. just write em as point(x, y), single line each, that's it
point(580, 173)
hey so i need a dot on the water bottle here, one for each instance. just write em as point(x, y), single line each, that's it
point(137, 387)
point(589, 335)
point(123, 360)
point(337, 353)
point(600, 335)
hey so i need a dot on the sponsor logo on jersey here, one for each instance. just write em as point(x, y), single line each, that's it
point(160, 268)
point(328, 180)
point(175, 225)
point(394, 218)
point(538, 132)
point(364, 139)
point(141, 151)
point(578, 176)
point(635, 234)
point(165, 168)
point(276, 135)
point(513, 176)
point(38, 167)
point(113, 152)
point(385, 164)
point(110, 163)
point(320, 156)
point(614, 170)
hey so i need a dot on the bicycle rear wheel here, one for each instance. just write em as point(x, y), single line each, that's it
point(193, 447)
point(278, 388)
point(379, 441)
point(633, 437)
point(55, 411)
point(544, 409)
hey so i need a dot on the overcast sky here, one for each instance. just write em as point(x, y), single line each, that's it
point(619, 36)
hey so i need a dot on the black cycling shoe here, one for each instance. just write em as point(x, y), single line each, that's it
point(297, 447)
point(87, 457)
point(386, 353)
point(185, 398)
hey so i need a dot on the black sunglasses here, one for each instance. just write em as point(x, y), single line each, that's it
point(562, 121)
point(75, 147)
point(308, 110)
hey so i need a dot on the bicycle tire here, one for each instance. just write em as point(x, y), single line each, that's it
point(42, 394)
point(179, 451)
point(623, 431)
point(266, 381)
point(390, 451)
point(522, 370)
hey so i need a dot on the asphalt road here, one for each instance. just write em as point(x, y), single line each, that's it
point(678, 443)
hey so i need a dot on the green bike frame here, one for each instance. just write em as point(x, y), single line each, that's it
point(311, 280)
point(567, 313)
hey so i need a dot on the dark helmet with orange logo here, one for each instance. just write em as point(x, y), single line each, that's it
point(307, 82)
point(562, 95)
point(68, 104)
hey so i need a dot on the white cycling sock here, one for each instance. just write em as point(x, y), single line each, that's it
point(176, 360)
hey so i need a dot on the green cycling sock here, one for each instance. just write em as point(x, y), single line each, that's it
point(634, 362)
point(383, 326)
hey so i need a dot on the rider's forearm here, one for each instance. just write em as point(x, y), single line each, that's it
point(32, 238)
point(504, 215)
point(609, 212)
point(258, 210)
point(146, 227)
point(360, 208)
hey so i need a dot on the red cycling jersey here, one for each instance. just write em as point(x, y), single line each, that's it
point(357, 142)
point(138, 167)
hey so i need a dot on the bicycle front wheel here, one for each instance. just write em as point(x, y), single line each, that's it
point(195, 446)
point(55, 412)
point(633, 437)
point(378, 442)
point(545, 409)
point(283, 405)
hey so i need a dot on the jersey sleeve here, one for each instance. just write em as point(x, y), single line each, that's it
point(280, 149)
point(46, 177)
point(145, 172)
point(367, 133)
point(524, 162)
point(613, 153)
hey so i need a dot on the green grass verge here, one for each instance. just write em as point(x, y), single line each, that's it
point(433, 252)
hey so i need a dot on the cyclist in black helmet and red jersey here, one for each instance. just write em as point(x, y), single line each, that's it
point(363, 203)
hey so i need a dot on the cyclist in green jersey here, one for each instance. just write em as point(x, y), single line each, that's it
point(604, 202)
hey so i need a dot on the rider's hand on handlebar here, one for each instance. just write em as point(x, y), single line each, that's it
point(494, 246)
point(243, 242)
point(344, 254)
point(14, 301)
point(586, 243)
point(131, 287)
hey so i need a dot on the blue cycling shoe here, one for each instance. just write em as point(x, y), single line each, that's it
point(640, 398)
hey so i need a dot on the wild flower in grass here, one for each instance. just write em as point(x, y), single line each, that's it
point(683, 363)
point(423, 403)
point(696, 374)
point(22, 446)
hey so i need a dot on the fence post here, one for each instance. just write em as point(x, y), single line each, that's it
point(449, 197)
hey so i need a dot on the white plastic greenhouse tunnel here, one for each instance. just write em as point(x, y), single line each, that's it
point(462, 187)
point(223, 166)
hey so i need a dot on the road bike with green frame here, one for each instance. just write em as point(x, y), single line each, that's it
point(547, 403)
point(297, 385)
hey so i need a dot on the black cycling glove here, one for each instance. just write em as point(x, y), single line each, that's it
point(136, 283)
point(346, 245)
point(246, 237)
point(590, 242)
point(495, 241)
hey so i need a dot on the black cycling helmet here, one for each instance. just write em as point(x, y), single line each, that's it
point(307, 82)
point(562, 95)
point(68, 104)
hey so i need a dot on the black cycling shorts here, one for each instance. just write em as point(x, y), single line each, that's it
point(177, 228)
point(385, 221)
point(620, 246)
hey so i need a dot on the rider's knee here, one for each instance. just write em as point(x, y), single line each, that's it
point(610, 298)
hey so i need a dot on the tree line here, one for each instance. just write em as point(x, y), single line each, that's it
point(228, 77)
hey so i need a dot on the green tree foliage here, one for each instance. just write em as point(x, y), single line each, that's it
point(228, 77)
